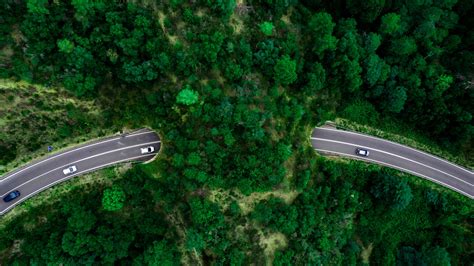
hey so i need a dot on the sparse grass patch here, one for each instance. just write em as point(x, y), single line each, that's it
point(34, 116)
point(236, 20)
point(237, 24)
point(152, 168)
point(365, 254)
point(270, 243)
point(290, 166)
point(6, 53)
point(247, 203)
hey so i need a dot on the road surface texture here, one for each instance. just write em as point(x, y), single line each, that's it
point(40, 175)
point(391, 154)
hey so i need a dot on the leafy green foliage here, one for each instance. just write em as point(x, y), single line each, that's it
point(276, 215)
point(266, 56)
point(187, 96)
point(266, 28)
point(443, 83)
point(7, 153)
point(194, 159)
point(77, 232)
point(362, 112)
point(215, 85)
point(403, 46)
point(37, 6)
point(436, 256)
point(160, 253)
point(79, 84)
point(223, 7)
point(390, 24)
point(367, 11)
point(372, 42)
point(65, 46)
point(316, 80)
point(396, 100)
point(429, 256)
point(194, 241)
point(321, 27)
point(113, 198)
point(377, 70)
point(285, 71)
point(394, 192)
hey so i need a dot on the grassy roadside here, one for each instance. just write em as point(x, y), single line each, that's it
point(58, 147)
point(32, 117)
point(405, 136)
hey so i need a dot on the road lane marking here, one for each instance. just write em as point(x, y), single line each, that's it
point(395, 155)
point(67, 152)
point(21, 199)
point(83, 159)
point(398, 144)
point(401, 169)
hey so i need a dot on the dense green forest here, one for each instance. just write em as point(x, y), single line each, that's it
point(234, 88)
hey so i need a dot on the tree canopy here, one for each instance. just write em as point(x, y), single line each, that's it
point(285, 71)
point(234, 88)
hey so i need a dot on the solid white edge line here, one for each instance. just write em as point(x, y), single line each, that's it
point(392, 154)
point(401, 169)
point(65, 178)
point(83, 159)
point(398, 144)
point(73, 150)
point(69, 151)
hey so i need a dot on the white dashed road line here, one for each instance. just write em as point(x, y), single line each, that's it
point(67, 177)
point(83, 159)
point(398, 144)
point(67, 152)
point(395, 155)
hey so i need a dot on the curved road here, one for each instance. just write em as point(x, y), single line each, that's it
point(40, 175)
point(391, 154)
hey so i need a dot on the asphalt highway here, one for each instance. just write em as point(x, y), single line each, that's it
point(394, 155)
point(40, 175)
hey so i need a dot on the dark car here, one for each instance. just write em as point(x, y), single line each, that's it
point(11, 196)
point(362, 152)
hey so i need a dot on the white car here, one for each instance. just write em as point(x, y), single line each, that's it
point(362, 152)
point(148, 149)
point(71, 169)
